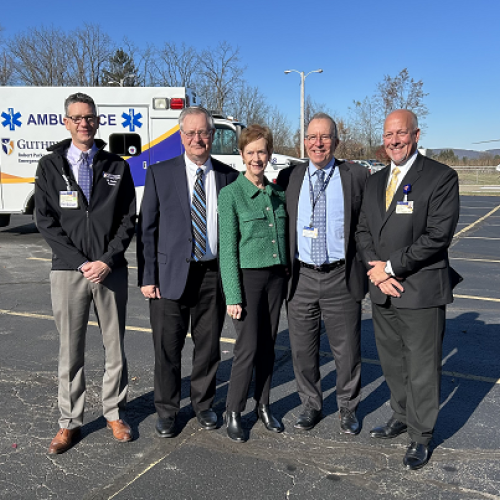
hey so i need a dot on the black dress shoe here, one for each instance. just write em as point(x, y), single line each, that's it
point(308, 419)
point(348, 422)
point(272, 424)
point(166, 427)
point(234, 428)
point(417, 455)
point(390, 430)
point(207, 419)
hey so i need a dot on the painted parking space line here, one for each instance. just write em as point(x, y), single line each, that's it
point(488, 238)
point(465, 229)
point(472, 297)
point(227, 340)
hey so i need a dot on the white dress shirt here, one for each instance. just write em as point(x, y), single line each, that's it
point(211, 195)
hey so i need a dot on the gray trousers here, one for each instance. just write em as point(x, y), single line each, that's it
point(410, 346)
point(325, 295)
point(72, 295)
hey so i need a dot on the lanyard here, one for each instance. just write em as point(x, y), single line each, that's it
point(321, 191)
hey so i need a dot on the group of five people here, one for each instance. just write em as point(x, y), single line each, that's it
point(211, 240)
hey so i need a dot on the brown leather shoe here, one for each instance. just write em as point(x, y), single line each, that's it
point(64, 440)
point(121, 430)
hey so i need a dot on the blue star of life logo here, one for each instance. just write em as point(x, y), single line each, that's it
point(131, 120)
point(11, 119)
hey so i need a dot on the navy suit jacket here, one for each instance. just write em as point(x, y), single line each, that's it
point(353, 177)
point(416, 244)
point(164, 236)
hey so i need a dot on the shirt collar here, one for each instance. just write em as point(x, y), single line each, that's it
point(74, 154)
point(407, 164)
point(192, 167)
point(313, 169)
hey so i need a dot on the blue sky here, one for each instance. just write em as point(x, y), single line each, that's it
point(453, 46)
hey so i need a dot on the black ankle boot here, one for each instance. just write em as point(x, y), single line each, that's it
point(234, 428)
point(272, 424)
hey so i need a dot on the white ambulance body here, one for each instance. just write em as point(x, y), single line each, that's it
point(138, 123)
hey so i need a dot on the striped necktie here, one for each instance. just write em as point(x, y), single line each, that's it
point(85, 176)
point(199, 218)
point(318, 245)
point(391, 188)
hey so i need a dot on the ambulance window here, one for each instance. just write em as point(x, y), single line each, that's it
point(225, 142)
point(125, 144)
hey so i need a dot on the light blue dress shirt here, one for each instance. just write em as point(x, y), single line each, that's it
point(334, 215)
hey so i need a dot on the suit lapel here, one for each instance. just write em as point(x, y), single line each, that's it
point(292, 200)
point(346, 180)
point(410, 178)
point(181, 185)
point(220, 177)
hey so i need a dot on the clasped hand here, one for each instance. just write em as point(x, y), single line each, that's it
point(385, 282)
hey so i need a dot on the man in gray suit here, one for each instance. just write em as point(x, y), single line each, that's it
point(327, 279)
point(409, 215)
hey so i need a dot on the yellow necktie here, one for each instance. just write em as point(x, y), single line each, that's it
point(391, 188)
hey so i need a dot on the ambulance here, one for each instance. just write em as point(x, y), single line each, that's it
point(138, 123)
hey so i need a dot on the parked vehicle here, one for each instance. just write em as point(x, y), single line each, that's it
point(138, 123)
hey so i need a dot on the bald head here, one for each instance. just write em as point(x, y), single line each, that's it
point(401, 135)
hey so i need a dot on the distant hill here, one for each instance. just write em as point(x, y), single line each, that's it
point(468, 153)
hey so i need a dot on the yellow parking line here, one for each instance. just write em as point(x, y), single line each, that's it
point(491, 212)
point(227, 340)
point(472, 297)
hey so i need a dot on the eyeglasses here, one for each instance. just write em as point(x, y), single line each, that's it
point(90, 119)
point(323, 138)
point(400, 134)
point(204, 134)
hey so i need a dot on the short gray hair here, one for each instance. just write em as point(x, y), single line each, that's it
point(196, 110)
point(79, 97)
point(324, 116)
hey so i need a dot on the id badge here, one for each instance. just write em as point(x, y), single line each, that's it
point(68, 199)
point(404, 207)
point(310, 232)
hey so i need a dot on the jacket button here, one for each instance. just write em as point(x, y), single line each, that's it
point(187, 259)
point(190, 240)
point(274, 255)
point(270, 225)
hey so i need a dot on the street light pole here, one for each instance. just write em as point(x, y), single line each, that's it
point(302, 102)
point(122, 80)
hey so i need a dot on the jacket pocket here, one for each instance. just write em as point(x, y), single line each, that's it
point(254, 223)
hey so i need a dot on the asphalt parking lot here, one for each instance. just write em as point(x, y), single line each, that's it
point(197, 464)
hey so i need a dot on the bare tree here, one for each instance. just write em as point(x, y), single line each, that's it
point(40, 57)
point(401, 92)
point(248, 105)
point(90, 51)
point(220, 73)
point(367, 123)
point(176, 66)
point(282, 131)
point(6, 63)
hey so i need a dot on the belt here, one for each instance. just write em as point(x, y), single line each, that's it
point(211, 265)
point(324, 268)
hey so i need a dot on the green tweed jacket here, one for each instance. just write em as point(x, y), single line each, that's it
point(252, 231)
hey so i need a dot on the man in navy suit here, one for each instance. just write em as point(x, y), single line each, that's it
point(178, 269)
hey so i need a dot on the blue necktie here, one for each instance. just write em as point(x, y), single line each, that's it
point(318, 247)
point(199, 217)
point(85, 176)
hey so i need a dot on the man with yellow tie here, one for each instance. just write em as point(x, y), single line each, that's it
point(408, 217)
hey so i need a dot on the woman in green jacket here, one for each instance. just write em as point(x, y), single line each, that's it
point(253, 256)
